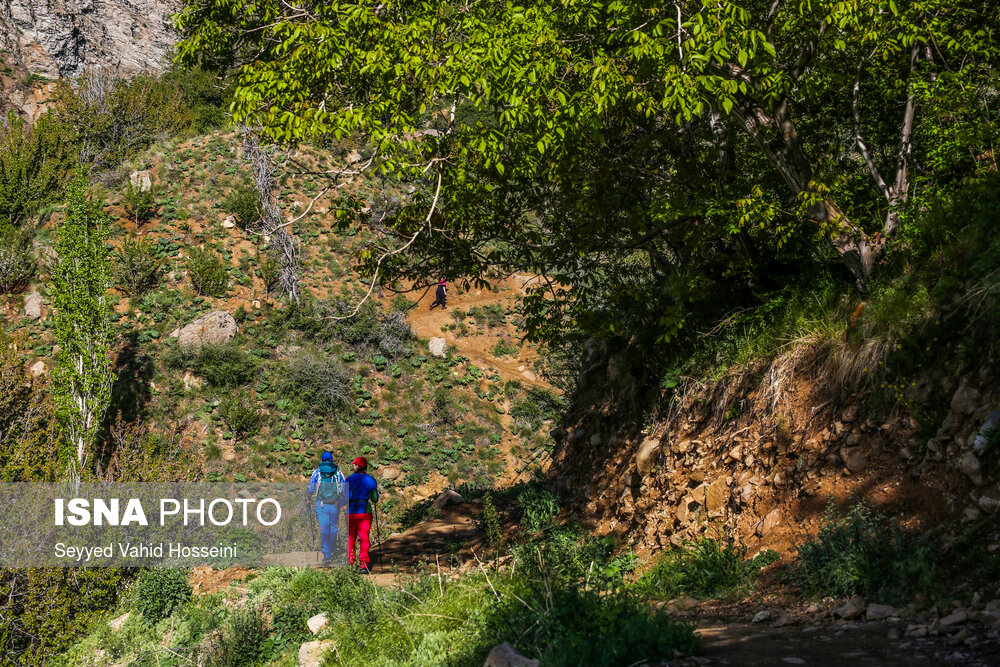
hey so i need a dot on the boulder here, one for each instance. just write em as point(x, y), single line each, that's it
point(33, 306)
point(645, 458)
point(769, 522)
point(761, 616)
point(353, 157)
point(317, 623)
point(965, 400)
point(877, 612)
point(505, 655)
point(717, 496)
point(141, 180)
point(854, 459)
point(446, 498)
point(436, 347)
point(851, 609)
point(990, 501)
point(682, 604)
point(311, 654)
point(954, 618)
point(229, 222)
point(215, 327)
point(981, 441)
point(971, 467)
point(390, 473)
point(38, 368)
point(529, 376)
point(849, 414)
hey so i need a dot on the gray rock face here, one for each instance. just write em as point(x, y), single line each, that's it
point(57, 38)
point(216, 327)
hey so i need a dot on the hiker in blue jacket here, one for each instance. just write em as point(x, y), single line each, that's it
point(329, 488)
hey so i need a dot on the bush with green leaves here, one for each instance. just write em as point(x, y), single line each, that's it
point(208, 272)
point(864, 553)
point(269, 268)
point(158, 592)
point(706, 568)
point(240, 414)
point(221, 365)
point(34, 165)
point(317, 385)
point(243, 203)
point(536, 406)
point(17, 261)
point(539, 506)
point(136, 265)
point(139, 202)
point(242, 641)
point(505, 348)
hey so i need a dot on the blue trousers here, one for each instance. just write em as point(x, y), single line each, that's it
point(327, 516)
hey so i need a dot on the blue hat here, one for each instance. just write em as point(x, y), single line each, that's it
point(327, 456)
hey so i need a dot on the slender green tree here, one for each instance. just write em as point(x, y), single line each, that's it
point(81, 278)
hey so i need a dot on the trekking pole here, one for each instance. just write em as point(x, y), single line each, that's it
point(378, 534)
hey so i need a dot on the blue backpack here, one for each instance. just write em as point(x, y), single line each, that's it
point(331, 485)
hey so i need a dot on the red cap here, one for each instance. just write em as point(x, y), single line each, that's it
point(361, 461)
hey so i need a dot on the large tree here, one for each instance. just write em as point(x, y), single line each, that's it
point(622, 149)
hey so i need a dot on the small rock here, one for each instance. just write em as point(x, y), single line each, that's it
point(229, 222)
point(916, 630)
point(990, 502)
point(311, 654)
point(505, 655)
point(876, 612)
point(855, 460)
point(390, 473)
point(793, 660)
point(769, 522)
point(971, 513)
point(716, 496)
point(38, 368)
point(33, 306)
point(761, 616)
point(448, 497)
point(981, 441)
point(529, 376)
point(851, 609)
point(965, 400)
point(645, 458)
point(141, 180)
point(971, 467)
point(893, 634)
point(959, 636)
point(317, 623)
point(785, 620)
point(353, 157)
point(682, 604)
point(954, 618)
point(117, 624)
point(436, 347)
point(849, 414)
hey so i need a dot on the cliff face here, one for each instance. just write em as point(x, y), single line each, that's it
point(63, 38)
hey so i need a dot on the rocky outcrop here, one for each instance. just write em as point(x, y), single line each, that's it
point(215, 327)
point(63, 38)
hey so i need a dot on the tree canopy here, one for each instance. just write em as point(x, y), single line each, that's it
point(644, 157)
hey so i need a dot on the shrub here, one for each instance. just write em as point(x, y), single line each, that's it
point(34, 165)
point(222, 365)
point(489, 523)
point(270, 271)
point(703, 569)
point(240, 414)
point(505, 348)
point(160, 591)
point(135, 265)
point(536, 406)
point(139, 203)
point(863, 553)
point(243, 203)
point(209, 274)
point(17, 262)
point(241, 644)
point(538, 507)
point(317, 385)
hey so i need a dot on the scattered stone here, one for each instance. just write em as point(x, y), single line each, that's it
point(317, 623)
point(855, 460)
point(990, 502)
point(229, 222)
point(33, 306)
point(893, 634)
point(761, 616)
point(505, 655)
point(717, 496)
point(38, 368)
point(529, 376)
point(446, 498)
point(311, 654)
point(959, 636)
point(645, 458)
point(971, 467)
point(390, 473)
point(954, 618)
point(117, 624)
point(784, 620)
point(141, 180)
point(876, 612)
point(769, 522)
point(980, 442)
point(436, 347)
point(916, 630)
point(215, 327)
point(682, 604)
point(851, 609)
point(849, 414)
point(965, 400)
point(353, 157)
point(971, 513)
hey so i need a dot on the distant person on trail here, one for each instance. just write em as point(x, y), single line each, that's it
point(328, 486)
point(441, 295)
point(363, 491)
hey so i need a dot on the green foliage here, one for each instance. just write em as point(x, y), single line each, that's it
point(209, 274)
point(489, 523)
point(139, 202)
point(242, 642)
point(703, 569)
point(28, 436)
point(534, 407)
point(503, 348)
point(222, 365)
point(243, 202)
point(240, 414)
point(17, 261)
point(34, 166)
point(539, 506)
point(270, 270)
point(136, 265)
point(205, 94)
point(863, 553)
point(318, 385)
point(111, 119)
point(158, 592)
point(82, 375)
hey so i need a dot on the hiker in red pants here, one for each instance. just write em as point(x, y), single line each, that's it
point(362, 489)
